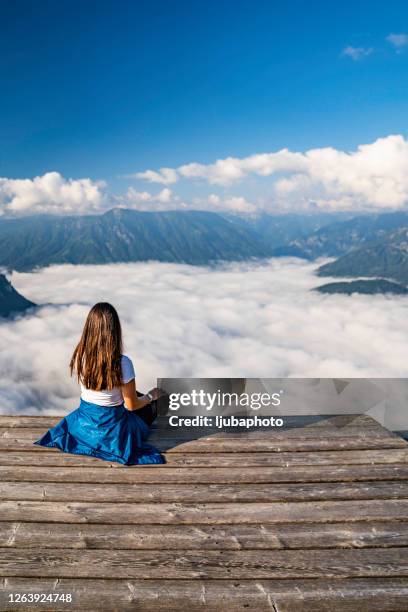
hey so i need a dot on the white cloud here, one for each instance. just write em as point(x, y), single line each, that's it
point(167, 200)
point(214, 199)
point(144, 200)
point(357, 53)
point(398, 41)
point(244, 319)
point(372, 176)
point(216, 203)
point(51, 193)
point(166, 176)
point(238, 204)
point(232, 169)
point(165, 196)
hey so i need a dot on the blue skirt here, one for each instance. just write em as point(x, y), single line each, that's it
point(112, 433)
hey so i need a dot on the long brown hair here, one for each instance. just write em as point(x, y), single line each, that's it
point(96, 360)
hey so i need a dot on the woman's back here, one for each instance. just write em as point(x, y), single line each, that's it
point(110, 397)
point(106, 424)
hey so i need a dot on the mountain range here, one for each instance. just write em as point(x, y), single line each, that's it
point(369, 246)
point(121, 235)
point(385, 258)
point(364, 246)
point(339, 237)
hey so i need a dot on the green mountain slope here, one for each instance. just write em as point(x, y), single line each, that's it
point(387, 258)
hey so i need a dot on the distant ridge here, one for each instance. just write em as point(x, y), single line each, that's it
point(368, 287)
point(386, 258)
point(373, 246)
point(339, 237)
point(122, 235)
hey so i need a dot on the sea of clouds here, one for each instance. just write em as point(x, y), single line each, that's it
point(235, 320)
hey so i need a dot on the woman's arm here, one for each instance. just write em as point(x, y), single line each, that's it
point(131, 399)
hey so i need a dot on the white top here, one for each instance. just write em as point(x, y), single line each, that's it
point(111, 397)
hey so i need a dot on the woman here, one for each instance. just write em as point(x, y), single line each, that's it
point(113, 419)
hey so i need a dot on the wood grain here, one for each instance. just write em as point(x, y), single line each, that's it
point(278, 434)
point(13, 439)
point(219, 513)
point(219, 564)
point(205, 537)
point(201, 493)
point(311, 595)
point(231, 475)
point(31, 455)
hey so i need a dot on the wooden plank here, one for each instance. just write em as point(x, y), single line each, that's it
point(289, 459)
point(368, 595)
point(215, 564)
point(48, 457)
point(204, 475)
point(204, 537)
point(219, 513)
point(293, 437)
point(54, 458)
point(239, 446)
point(9, 441)
point(311, 595)
point(181, 435)
point(201, 493)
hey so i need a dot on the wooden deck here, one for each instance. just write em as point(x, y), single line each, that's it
point(312, 518)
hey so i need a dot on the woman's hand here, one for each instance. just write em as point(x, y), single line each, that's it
point(156, 393)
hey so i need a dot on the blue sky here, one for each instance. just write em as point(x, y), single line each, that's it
point(104, 88)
